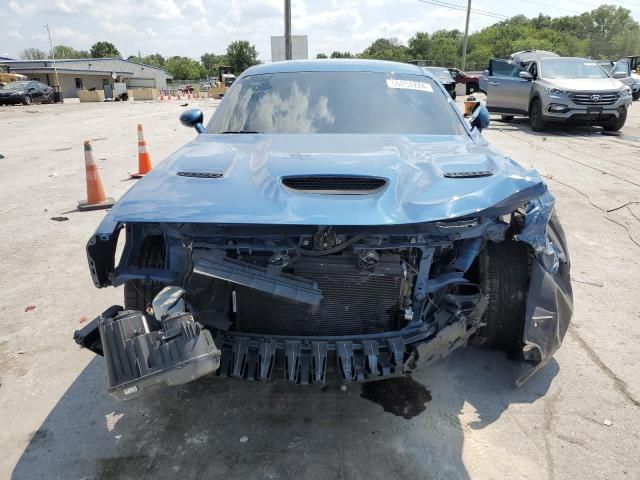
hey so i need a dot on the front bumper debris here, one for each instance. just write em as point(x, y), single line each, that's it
point(141, 353)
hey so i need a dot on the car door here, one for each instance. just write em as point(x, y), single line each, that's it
point(34, 92)
point(507, 92)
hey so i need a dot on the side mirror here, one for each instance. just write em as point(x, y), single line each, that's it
point(193, 118)
point(619, 75)
point(525, 75)
point(480, 117)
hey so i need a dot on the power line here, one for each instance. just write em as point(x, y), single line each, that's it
point(439, 3)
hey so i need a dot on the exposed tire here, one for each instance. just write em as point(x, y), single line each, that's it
point(471, 88)
point(138, 294)
point(26, 100)
point(504, 279)
point(507, 118)
point(535, 116)
point(617, 123)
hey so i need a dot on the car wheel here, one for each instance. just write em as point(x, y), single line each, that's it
point(139, 294)
point(617, 123)
point(507, 118)
point(504, 270)
point(471, 88)
point(26, 100)
point(535, 116)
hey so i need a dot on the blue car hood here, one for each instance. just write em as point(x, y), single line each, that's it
point(250, 190)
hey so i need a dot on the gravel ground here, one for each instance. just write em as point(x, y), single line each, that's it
point(577, 418)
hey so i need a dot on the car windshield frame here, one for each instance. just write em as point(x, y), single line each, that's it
point(16, 86)
point(564, 63)
point(334, 102)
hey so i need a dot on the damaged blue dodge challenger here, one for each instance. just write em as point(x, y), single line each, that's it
point(334, 220)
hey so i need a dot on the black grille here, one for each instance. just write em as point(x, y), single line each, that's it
point(353, 302)
point(594, 98)
point(478, 174)
point(200, 174)
point(334, 183)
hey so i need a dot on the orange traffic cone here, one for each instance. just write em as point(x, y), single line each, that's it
point(144, 160)
point(96, 198)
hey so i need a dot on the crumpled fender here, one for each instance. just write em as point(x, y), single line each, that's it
point(550, 297)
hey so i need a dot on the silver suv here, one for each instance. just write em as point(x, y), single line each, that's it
point(557, 89)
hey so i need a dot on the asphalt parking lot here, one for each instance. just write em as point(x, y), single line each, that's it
point(577, 418)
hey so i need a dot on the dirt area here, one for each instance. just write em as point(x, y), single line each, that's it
point(462, 419)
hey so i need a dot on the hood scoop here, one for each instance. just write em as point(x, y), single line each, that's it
point(200, 174)
point(335, 184)
point(471, 174)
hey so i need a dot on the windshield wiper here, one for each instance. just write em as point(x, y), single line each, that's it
point(239, 131)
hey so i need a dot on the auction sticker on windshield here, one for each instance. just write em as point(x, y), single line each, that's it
point(409, 85)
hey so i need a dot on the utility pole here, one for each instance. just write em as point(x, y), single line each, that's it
point(53, 56)
point(466, 37)
point(287, 29)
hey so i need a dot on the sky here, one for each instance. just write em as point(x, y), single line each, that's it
point(192, 27)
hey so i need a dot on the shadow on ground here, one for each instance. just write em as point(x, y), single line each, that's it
point(559, 129)
point(221, 428)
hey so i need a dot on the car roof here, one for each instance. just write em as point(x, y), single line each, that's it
point(562, 59)
point(334, 65)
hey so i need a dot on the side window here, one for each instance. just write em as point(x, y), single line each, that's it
point(621, 66)
point(533, 69)
point(502, 68)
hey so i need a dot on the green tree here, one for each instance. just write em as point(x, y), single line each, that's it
point(32, 54)
point(184, 68)
point(321, 55)
point(155, 60)
point(211, 62)
point(342, 55)
point(420, 46)
point(387, 49)
point(63, 51)
point(241, 55)
point(104, 50)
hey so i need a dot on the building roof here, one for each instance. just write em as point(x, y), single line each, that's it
point(118, 65)
point(334, 65)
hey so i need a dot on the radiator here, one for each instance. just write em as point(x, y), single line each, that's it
point(354, 302)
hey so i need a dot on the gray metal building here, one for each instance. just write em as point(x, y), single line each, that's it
point(88, 73)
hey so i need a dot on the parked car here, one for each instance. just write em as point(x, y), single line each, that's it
point(308, 232)
point(26, 93)
point(557, 89)
point(472, 82)
point(444, 77)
